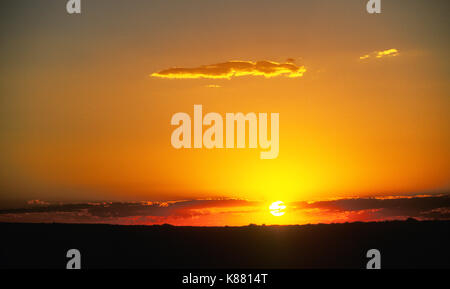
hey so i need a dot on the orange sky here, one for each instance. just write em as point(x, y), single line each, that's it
point(83, 120)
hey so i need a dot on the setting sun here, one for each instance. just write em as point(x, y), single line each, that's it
point(277, 208)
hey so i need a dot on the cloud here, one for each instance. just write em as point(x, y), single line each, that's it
point(222, 212)
point(37, 202)
point(230, 69)
point(213, 86)
point(379, 54)
point(173, 212)
point(421, 207)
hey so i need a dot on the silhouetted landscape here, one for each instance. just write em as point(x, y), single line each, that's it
point(403, 244)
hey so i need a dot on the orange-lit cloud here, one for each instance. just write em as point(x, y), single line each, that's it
point(380, 54)
point(37, 202)
point(230, 69)
point(213, 86)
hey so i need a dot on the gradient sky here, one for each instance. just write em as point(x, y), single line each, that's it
point(82, 119)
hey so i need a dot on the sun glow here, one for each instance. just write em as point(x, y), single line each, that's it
point(277, 208)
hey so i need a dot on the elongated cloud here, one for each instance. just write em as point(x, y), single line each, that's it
point(379, 54)
point(230, 69)
point(213, 86)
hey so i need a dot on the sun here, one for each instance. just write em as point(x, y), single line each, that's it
point(277, 208)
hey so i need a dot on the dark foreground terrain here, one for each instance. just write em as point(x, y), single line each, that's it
point(403, 244)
